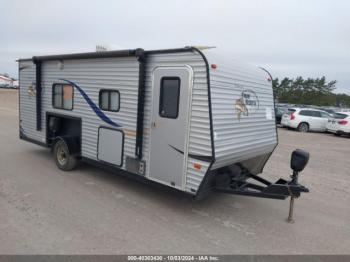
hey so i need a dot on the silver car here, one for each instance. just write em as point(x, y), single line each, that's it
point(306, 119)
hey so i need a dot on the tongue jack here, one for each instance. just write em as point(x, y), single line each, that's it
point(299, 160)
point(291, 207)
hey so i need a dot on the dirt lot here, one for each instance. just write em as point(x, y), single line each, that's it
point(44, 210)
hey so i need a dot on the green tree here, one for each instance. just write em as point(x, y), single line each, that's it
point(310, 91)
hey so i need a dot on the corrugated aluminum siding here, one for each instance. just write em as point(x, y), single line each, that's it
point(27, 104)
point(120, 74)
point(199, 142)
point(253, 135)
point(91, 75)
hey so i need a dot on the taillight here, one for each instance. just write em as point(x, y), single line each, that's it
point(342, 122)
point(292, 116)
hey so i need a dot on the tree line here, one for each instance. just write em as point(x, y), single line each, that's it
point(310, 91)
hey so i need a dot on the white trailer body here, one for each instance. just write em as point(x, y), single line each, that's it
point(179, 117)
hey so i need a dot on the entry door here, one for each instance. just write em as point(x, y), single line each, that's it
point(171, 89)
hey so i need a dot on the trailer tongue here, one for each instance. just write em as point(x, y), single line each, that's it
point(281, 189)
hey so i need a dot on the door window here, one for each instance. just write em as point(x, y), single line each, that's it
point(169, 97)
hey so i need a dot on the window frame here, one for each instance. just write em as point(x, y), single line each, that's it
point(53, 96)
point(161, 93)
point(109, 91)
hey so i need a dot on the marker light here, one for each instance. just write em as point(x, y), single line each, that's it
point(197, 166)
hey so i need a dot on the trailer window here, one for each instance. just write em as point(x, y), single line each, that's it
point(169, 97)
point(109, 100)
point(62, 96)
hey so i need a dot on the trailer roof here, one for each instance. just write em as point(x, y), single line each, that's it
point(106, 54)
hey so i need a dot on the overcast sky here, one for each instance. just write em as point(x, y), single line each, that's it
point(290, 37)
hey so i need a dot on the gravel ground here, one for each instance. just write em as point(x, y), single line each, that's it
point(88, 211)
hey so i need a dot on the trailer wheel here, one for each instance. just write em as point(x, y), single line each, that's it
point(63, 159)
point(303, 127)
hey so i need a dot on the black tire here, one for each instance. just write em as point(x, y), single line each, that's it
point(303, 127)
point(63, 159)
point(337, 134)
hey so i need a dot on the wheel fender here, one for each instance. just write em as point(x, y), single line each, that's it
point(71, 142)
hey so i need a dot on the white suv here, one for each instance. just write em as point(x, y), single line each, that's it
point(340, 124)
point(306, 119)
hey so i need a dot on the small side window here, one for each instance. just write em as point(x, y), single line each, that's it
point(304, 113)
point(109, 100)
point(325, 115)
point(62, 96)
point(316, 114)
point(169, 97)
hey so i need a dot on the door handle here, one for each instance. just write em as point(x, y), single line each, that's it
point(153, 124)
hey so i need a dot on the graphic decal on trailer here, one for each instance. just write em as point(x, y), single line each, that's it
point(93, 106)
point(31, 91)
point(247, 104)
point(198, 157)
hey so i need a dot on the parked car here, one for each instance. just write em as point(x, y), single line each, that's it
point(328, 110)
point(279, 111)
point(306, 119)
point(287, 113)
point(339, 124)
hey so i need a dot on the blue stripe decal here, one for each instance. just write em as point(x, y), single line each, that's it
point(94, 107)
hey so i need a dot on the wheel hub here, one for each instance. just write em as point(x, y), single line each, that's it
point(61, 156)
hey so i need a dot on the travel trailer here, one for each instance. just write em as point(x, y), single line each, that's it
point(187, 118)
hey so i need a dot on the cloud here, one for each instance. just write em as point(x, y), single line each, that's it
point(290, 38)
